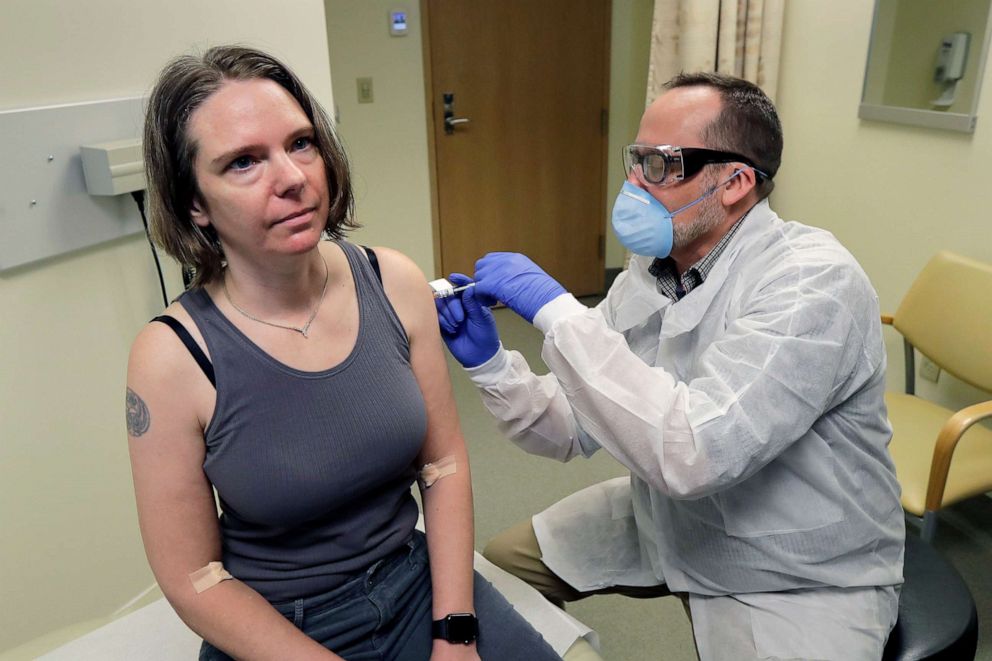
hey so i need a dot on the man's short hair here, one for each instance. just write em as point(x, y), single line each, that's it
point(747, 124)
point(170, 152)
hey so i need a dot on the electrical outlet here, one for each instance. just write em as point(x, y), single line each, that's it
point(929, 370)
point(364, 90)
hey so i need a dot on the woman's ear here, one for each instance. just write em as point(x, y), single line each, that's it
point(743, 182)
point(198, 215)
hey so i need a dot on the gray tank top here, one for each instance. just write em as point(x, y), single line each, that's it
point(313, 469)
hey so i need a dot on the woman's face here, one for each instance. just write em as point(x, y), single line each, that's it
point(262, 179)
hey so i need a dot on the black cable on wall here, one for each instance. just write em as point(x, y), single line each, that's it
point(139, 198)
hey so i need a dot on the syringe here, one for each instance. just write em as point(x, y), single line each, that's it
point(443, 288)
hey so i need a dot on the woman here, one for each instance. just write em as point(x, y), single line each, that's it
point(311, 389)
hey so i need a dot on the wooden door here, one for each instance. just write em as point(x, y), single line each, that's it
point(526, 172)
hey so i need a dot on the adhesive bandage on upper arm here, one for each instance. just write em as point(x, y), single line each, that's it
point(434, 471)
point(209, 576)
point(443, 288)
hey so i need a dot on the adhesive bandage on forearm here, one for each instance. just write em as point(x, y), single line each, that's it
point(434, 471)
point(209, 576)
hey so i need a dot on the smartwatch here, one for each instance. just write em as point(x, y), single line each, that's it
point(456, 628)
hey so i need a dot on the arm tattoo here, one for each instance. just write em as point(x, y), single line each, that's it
point(138, 417)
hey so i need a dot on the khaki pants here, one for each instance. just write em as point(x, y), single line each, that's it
point(726, 623)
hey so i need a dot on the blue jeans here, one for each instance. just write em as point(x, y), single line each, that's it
point(384, 614)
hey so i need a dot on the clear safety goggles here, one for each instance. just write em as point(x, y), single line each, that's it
point(664, 165)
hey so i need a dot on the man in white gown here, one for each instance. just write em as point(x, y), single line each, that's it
point(737, 369)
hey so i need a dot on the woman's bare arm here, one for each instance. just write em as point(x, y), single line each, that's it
point(166, 413)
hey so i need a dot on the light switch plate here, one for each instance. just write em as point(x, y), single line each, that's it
point(364, 90)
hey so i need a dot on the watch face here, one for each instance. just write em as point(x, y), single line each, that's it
point(462, 627)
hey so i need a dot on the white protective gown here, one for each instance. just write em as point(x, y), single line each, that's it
point(750, 414)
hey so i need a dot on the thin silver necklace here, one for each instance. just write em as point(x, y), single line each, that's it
point(303, 330)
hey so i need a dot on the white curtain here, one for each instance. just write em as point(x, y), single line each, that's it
point(737, 37)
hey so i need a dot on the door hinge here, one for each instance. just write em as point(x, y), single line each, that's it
point(604, 121)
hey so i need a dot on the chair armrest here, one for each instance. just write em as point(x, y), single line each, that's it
point(947, 439)
point(887, 319)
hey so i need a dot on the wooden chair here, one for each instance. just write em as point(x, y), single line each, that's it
point(947, 316)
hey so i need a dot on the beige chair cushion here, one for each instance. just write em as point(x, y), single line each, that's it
point(915, 425)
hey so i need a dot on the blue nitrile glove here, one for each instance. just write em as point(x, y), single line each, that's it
point(516, 281)
point(467, 326)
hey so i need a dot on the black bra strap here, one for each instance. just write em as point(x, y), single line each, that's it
point(374, 261)
point(194, 348)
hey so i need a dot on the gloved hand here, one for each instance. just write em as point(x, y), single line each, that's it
point(516, 281)
point(467, 326)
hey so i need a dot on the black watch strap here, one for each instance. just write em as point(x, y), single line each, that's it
point(456, 628)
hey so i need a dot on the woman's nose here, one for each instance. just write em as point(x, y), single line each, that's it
point(290, 178)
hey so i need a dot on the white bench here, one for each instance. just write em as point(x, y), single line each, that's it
point(155, 633)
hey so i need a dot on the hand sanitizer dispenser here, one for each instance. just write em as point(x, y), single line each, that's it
point(951, 58)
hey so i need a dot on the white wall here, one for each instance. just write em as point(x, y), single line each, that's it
point(69, 544)
point(894, 195)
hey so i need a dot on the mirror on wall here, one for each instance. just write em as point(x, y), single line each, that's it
point(925, 62)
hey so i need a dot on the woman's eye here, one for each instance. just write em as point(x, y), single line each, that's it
point(241, 163)
point(302, 143)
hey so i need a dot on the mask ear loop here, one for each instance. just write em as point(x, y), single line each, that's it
point(707, 193)
point(732, 177)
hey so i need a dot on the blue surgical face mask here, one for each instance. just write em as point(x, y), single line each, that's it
point(643, 224)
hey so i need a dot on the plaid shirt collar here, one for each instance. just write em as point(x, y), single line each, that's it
point(667, 275)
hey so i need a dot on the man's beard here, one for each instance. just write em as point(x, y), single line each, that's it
point(710, 215)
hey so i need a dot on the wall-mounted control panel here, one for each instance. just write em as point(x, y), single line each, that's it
point(45, 207)
point(399, 22)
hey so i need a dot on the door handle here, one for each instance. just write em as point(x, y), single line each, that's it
point(450, 121)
